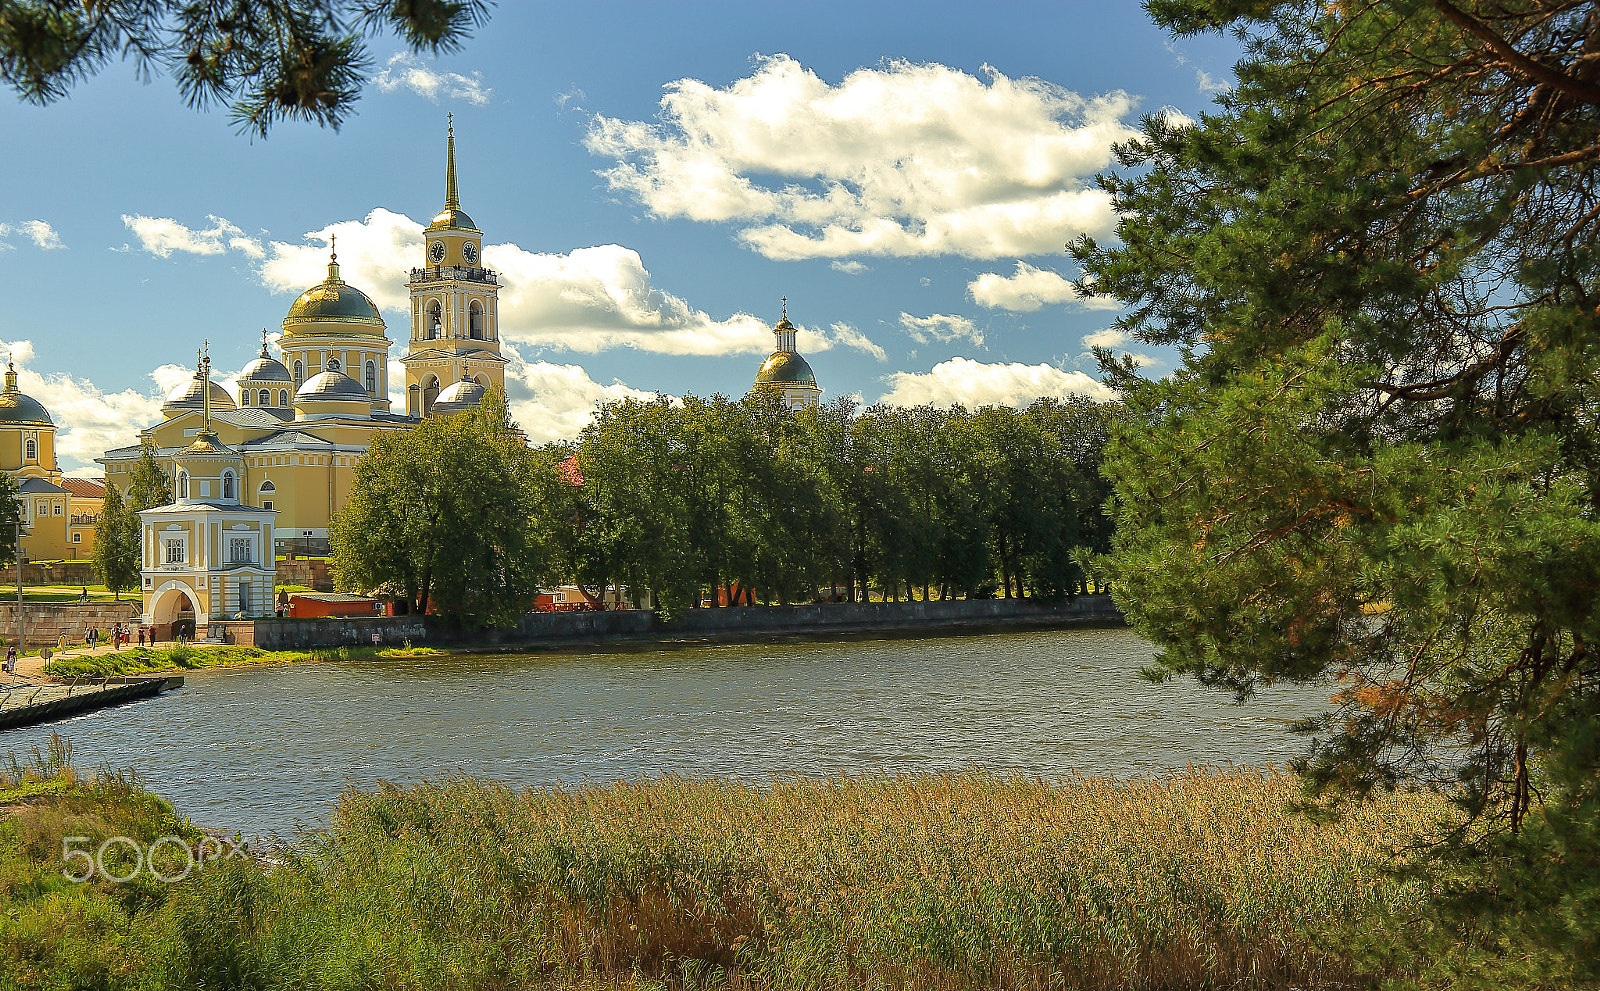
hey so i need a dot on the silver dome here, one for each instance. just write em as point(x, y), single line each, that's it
point(334, 387)
point(265, 369)
point(464, 395)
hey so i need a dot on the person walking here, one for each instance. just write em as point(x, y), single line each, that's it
point(141, 636)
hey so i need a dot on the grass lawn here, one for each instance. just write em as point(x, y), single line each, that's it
point(937, 882)
point(148, 660)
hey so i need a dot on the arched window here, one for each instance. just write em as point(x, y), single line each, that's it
point(430, 392)
point(264, 398)
point(299, 372)
point(244, 397)
point(334, 366)
point(33, 450)
point(372, 377)
point(267, 487)
point(435, 321)
point(183, 485)
point(475, 321)
point(227, 485)
point(283, 397)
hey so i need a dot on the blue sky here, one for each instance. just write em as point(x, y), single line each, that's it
point(650, 179)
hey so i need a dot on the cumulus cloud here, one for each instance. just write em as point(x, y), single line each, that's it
point(1207, 83)
point(89, 422)
point(586, 300)
point(409, 72)
point(161, 236)
point(941, 327)
point(898, 160)
point(973, 383)
point(1109, 338)
point(551, 401)
point(40, 233)
point(848, 336)
point(1028, 288)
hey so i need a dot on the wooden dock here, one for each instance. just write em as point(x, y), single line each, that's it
point(31, 704)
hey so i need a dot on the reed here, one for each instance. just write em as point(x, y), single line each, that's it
point(1199, 879)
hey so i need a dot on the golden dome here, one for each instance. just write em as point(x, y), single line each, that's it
point(786, 368)
point(334, 302)
point(17, 408)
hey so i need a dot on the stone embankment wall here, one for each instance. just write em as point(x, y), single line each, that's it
point(65, 573)
point(830, 619)
point(47, 622)
point(311, 573)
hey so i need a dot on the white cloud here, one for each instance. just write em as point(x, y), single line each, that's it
point(1208, 83)
point(899, 160)
point(1108, 338)
point(408, 71)
point(974, 383)
point(37, 231)
point(1028, 288)
point(89, 422)
point(941, 327)
point(161, 236)
point(587, 300)
point(848, 336)
point(849, 268)
point(555, 402)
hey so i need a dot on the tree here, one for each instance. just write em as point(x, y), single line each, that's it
point(1380, 458)
point(270, 60)
point(446, 513)
point(117, 543)
point(10, 515)
point(149, 485)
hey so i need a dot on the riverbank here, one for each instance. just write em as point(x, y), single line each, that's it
point(1199, 879)
point(103, 662)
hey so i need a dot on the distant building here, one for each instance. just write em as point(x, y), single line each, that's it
point(50, 502)
point(88, 495)
point(786, 374)
point(300, 424)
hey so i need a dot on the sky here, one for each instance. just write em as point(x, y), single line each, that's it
point(651, 181)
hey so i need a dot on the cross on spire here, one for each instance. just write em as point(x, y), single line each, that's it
point(785, 306)
point(333, 247)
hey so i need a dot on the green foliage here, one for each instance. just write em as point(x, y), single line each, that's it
point(149, 485)
point(10, 516)
point(446, 513)
point(116, 543)
point(747, 500)
point(270, 60)
point(1379, 459)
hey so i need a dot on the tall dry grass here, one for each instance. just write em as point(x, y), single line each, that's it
point(1199, 879)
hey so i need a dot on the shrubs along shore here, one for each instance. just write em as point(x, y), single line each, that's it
point(188, 657)
point(1199, 879)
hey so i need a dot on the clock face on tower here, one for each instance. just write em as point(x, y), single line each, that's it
point(469, 251)
point(436, 252)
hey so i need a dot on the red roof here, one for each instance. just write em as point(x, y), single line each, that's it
point(85, 488)
point(569, 471)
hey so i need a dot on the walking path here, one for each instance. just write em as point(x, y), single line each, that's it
point(31, 667)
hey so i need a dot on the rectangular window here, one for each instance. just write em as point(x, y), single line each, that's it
point(174, 550)
point(77, 538)
point(267, 504)
point(239, 550)
point(58, 509)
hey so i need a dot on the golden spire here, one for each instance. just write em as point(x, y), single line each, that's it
point(452, 201)
point(11, 377)
point(205, 392)
point(333, 265)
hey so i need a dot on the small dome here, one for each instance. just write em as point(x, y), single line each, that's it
point(189, 396)
point(786, 368)
point(464, 395)
point(265, 369)
point(453, 219)
point(17, 408)
point(332, 387)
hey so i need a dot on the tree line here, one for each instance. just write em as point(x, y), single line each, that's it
point(729, 501)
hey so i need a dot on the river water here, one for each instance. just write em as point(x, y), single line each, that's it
point(269, 748)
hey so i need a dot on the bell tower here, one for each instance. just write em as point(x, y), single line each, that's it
point(455, 308)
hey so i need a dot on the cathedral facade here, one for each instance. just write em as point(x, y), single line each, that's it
point(301, 419)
